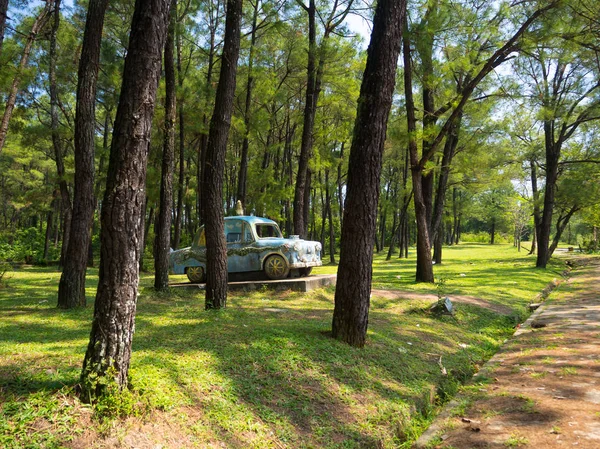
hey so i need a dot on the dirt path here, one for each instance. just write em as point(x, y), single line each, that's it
point(542, 390)
point(461, 299)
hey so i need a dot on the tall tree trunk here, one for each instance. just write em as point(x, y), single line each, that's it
point(57, 217)
point(202, 148)
point(425, 47)
point(323, 214)
point(71, 288)
point(329, 218)
point(241, 184)
point(39, 23)
point(313, 89)
point(552, 156)
point(351, 311)
point(214, 23)
point(56, 142)
point(442, 187)
point(181, 180)
point(340, 184)
point(561, 224)
point(3, 16)
point(454, 238)
point(393, 237)
point(310, 108)
point(49, 224)
point(424, 263)
point(147, 225)
point(216, 247)
point(109, 351)
point(165, 209)
point(537, 215)
point(90, 254)
point(383, 219)
point(437, 245)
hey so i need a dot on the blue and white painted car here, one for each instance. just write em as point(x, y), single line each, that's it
point(254, 244)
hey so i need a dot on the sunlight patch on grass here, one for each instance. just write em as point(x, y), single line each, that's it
point(265, 372)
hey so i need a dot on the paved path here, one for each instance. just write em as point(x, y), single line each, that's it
point(542, 390)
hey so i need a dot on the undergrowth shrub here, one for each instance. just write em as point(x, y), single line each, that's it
point(484, 237)
point(590, 245)
point(5, 268)
point(26, 245)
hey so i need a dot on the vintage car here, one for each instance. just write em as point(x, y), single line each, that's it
point(254, 244)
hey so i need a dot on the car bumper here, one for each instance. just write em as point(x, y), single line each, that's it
point(306, 264)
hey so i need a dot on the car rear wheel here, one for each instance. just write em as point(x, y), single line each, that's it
point(276, 267)
point(195, 274)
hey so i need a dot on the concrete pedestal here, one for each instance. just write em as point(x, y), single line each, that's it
point(304, 284)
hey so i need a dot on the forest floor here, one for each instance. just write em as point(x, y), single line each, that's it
point(542, 390)
point(264, 372)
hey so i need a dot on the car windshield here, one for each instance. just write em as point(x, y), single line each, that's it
point(267, 231)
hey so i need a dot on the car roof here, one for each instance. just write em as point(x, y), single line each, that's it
point(251, 219)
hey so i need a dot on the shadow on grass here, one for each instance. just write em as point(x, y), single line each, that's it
point(286, 371)
point(270, 375)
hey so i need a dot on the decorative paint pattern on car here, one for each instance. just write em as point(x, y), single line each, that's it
point(252, 242)
point(185, 254)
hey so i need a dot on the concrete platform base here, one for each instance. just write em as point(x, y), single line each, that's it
point(304, 284)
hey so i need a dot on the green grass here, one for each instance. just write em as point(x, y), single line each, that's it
point(264, 372)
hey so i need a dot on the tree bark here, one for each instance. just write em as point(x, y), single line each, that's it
point(553, 151)
point(424, 262)
point(49, 225)
point(165, 210)
point(437, 245)
point(399, 226)
point(243, 172)
point(394, 235)
point(3, 17)
point(149, 222)
point(56, 142)
point(561, 224)
point(442, 187)
point(202, 148)
point(39, 23)
point(536, 205)
point(310, 107)
point(340, 184)
point(424, 47)
point(313, 89)
point(71, 288)
point(216, 247)
point(329, 218)
point(351, 311)
point(181, 180)
point(109, 351)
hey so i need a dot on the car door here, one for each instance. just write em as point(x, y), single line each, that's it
point(242, 256)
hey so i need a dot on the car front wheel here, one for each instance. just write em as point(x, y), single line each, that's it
point(195, 274)
point(276, 267)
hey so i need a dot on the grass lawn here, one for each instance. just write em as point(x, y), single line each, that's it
point(264, 372)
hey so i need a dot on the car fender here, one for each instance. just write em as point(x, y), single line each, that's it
point(181, 268)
